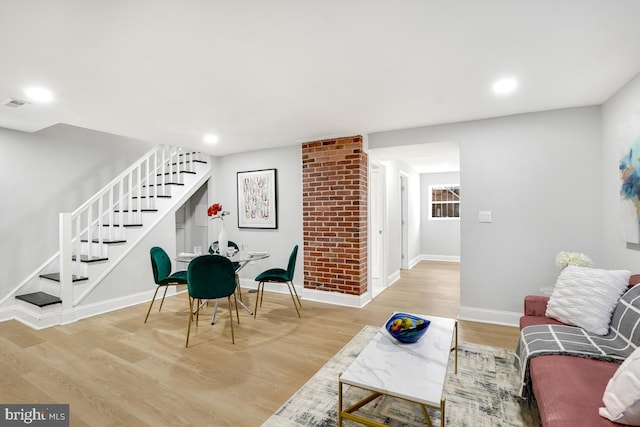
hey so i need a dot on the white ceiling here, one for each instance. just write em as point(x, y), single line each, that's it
point(271, 73)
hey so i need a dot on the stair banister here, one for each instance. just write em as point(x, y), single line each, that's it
point(94, 222)
point(164, 162)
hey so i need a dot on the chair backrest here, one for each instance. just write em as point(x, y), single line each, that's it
point(160, 263)
point(211, 276)
point(291, 268)
point(230, 243)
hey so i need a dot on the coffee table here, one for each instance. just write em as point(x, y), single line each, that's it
point(414, 372)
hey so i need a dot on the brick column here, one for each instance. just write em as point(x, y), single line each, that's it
point(334, 206)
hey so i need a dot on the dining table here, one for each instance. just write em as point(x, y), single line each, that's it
point(240, 260)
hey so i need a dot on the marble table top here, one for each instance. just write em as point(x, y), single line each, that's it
point(416, 372)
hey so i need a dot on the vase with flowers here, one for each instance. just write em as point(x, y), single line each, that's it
point(563, 259)
point(214, 212)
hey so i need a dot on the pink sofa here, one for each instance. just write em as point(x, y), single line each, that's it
point(567, 389)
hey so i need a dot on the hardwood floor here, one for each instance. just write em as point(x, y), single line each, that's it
point(116, 370)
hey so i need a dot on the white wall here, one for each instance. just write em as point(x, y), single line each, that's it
point(134, 274)
point(540, 175)
point(620, 128)
point(44, 173)
point(440, 238)
point(279, 242)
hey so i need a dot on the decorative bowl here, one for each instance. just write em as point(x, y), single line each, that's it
point(407, 335)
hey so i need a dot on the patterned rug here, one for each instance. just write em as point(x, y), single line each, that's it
point(483, 393)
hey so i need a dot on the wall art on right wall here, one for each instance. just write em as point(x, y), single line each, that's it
point(630, 193)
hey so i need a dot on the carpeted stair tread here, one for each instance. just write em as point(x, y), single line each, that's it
point(173, 173)
point(41, 299)
point(166, 183)
point(85, 258)
point(159, 196)
point(56, 277)
point(106, 241)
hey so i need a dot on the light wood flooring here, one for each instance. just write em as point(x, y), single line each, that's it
point(115, 370)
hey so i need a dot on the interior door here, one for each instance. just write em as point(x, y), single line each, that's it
point(404, 219)
point(376, 225)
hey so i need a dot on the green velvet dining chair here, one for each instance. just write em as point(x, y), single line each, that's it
point(211, 277)
point(161, 266)
point(279, 275)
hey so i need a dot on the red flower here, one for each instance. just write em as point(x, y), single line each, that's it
point(214, 209)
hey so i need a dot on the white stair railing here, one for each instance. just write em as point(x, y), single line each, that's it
point(102, 218)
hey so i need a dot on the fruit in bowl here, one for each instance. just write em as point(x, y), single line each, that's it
point(406, 328)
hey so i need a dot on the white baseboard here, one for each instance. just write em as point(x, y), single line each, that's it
point(94, 309)
point(485, 315)
point(444, 258)
point(393, 277)
point(413, 262)
point(45, 317)
point(335, 298)
point(35, 317)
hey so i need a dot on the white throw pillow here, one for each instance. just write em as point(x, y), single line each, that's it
point(586, 297)
point(622, 395)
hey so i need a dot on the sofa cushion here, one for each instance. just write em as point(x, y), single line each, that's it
point(569, 390)
point(622, 395)
point(537, 320)
point(586, 297)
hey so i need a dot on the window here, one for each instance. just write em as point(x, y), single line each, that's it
point(444, 201)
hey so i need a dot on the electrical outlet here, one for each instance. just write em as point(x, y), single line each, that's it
point(484, 216)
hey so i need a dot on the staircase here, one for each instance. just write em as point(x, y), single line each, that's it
point(100, 234)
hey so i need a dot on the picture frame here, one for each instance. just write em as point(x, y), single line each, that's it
point(258, 199)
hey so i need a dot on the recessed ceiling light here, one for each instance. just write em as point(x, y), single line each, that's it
point(505, 86)
point(210, 139)
point(39, 94)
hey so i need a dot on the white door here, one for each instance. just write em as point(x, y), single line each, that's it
point(376, 225)
point(404, 235)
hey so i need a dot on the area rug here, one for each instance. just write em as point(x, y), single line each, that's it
point(483, 393)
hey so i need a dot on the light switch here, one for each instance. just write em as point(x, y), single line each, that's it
point(484, 216)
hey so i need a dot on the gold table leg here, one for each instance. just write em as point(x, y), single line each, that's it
point(348, 413)
point(455, 347)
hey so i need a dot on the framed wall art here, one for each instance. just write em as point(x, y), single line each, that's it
point(258, 199)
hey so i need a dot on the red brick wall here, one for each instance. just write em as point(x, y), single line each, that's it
point(334, 209)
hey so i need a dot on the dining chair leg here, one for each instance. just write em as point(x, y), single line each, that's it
point(262, 294)
point(190, 320)
point(197, 312)
point(233, 340)
point(255, 310)
point(293, 299)
point(295, 292)
point(163, 295)
point(151, 305)
point(235, 300)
